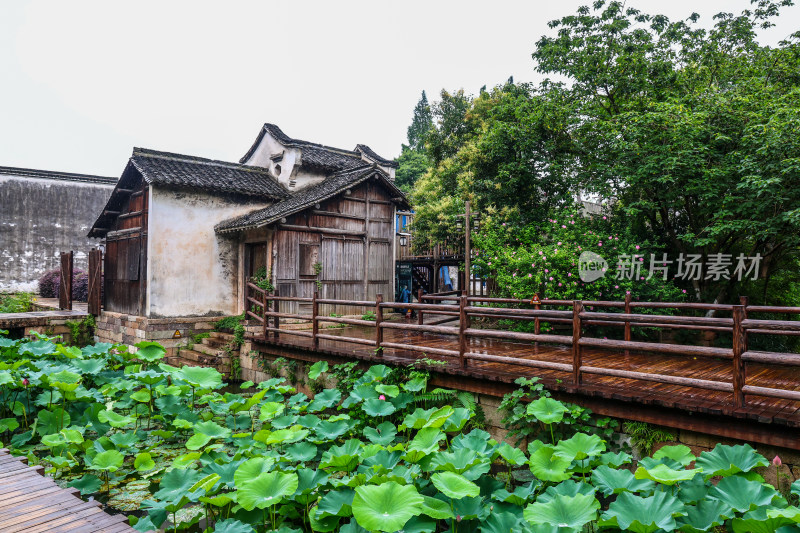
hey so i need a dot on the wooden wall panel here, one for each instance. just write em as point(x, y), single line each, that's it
point(380, 261)
point(342, 259)
point(286, 244)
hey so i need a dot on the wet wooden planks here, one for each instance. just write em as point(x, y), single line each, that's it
point(33, 503)
point(693, 400)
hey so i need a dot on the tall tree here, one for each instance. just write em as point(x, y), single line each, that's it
point(421, 124)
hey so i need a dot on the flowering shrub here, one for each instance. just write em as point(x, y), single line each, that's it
point(49, 282)
point(543, 259)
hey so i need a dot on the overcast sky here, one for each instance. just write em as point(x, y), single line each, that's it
point(84, 82)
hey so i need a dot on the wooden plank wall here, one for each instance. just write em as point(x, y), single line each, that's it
point(351, 235)
point(126, 255)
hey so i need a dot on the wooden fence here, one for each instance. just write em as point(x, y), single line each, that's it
point(577, 318)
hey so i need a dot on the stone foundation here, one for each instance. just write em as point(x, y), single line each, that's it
point(120, 328)
point(50, 323)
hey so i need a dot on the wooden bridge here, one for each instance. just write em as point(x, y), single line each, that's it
point(735, 391)
point(32, 503)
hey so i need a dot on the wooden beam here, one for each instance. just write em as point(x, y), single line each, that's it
point(327, 231)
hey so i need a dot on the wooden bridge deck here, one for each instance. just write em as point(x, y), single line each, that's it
point(691, 400)
point(33, 503)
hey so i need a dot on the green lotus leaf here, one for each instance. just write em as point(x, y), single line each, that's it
point(144, 462)
point(454, 485)
point(87, 484)
point(286, 436)
point(435, 508)
point(374, 407)
point(704, 516)
point(317, 369)
point(206, 484)
point(387, 390)
point(342, 458)
point(149, 377)
point(383, 434)
point(679, 452)
point(142, 396)
point(109, 460)
point(212, 429)
point(566, 488)
point(726, 460)
point(547, 410)
point(378, 372)
point(477, 440)
point(180, 423)
point(54, 439)
point(614, 460)
point(89, 366)
point(37, 348)
point(665, 475)
point(149, 351)
point(8, 424)
point(114, 419)
point(200, 377)
point(336, 503)
point(332, 430)
point(571, 512)
point(232, 525)
point(439, 417)
point(415, 384)
point(176, 484)
point(251, 469)
point(302, 452)
point(324, 400)
point(125, 439)
point(186, 460)
point(52, 421)
point(547, 466)
point(386, 507)
point(6, 378)
point(309, 421)
point(457, 420)
point(580, 446)
point(505, 523)
point(219, 500)
point(361, 393)
point(417, 419)
point(643, 515)
point(457, 461)
point(742, 494)
point(764, 520)
point(72, 435)
point(426, 441)
point(197, 441)
point(270, 410)
point(612, 481)
point(266, 490)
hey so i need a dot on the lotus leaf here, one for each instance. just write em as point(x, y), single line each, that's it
point(266, 490)
point(87, 484)
point(232, 525)
point(374, 407)
point(386, 507)
point(109, 461)
point(302, 452)
point(252, 468)
point(383, 434)
point(704, 516)
point(114, 419)
point(328, 430)
point(52, 421)
point(336, 503)
point(144, 462)
point(580, 446)
point(665, 475)
point(763, 520)
point(643, 515)
point(270, 410)
point(726, 460)
point(377, 372)
point(612, 481)
point(547, 410)
point(176, 484)
point(200, 377)
point(680, 453)
point(149, 351)
point(317, 369)
point(548, 466)
point(742, 494)
point(454, 485)
point(571, 512)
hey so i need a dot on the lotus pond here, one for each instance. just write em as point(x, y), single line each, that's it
point(378, 453)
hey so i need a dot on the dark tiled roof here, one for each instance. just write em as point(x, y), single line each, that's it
point(307, 197)
point(367, 152)
point(62, 176)
point(334, 159)
point(184, 171)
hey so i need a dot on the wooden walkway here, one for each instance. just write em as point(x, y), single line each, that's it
point(33, 503)
point(692, 400)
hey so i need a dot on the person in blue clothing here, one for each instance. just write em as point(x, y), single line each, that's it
point(405, 297)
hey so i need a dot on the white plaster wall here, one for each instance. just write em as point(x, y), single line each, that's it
point(262, 158)
point(191, 270)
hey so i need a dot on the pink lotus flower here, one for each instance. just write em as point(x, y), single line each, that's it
point(381, 397)
point(777, 461)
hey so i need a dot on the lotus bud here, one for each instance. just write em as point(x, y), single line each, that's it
point(777, 461)
point(25, 382)
point(458, 518)
point(381, 397)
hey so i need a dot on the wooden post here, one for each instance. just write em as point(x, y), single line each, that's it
point(378, 326)
point(463, 324)
point(276, 306)
point(577, 309)
point(537, 325)
point(264, 319)
point(467, 249)
point(627, 323)
point(314, 321)
point(65, 285)
point(95, 303)
point(739, 347)
point(419, 311)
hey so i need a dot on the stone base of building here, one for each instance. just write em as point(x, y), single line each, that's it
point(172, 333)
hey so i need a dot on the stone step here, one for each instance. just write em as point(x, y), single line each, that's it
point(227, 337)
point(213, 351)
point(215, 342)
point(203, 359)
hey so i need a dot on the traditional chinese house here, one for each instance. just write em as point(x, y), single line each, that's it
point(183, 234)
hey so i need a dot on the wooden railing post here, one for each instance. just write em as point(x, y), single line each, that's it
point(577, 309)
point(463, 324)
point(95, 303)
point(65, 285)
point(264, 318)
point(419, 311)
point(378, 324)
point(627, 323)
point(314, 320)
point(537, 324)
point(739, 347)
point(276, 307)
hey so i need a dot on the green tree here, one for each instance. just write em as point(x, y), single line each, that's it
point(421, 124)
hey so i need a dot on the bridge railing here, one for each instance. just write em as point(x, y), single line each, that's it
point(577, 317)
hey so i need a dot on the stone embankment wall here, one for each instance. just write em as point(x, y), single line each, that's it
point(171, 333)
